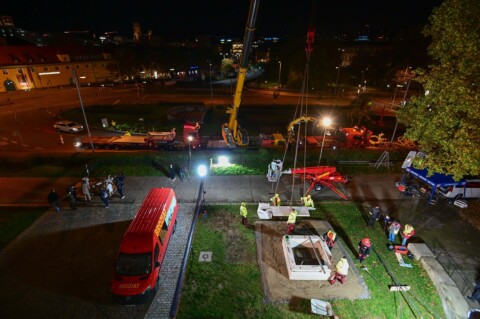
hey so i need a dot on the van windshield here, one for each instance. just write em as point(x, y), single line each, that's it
point(133, 264)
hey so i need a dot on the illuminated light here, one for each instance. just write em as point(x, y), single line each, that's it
point(49, 73)
point(202, 170)
point(155, 74)
point(223, 161)
point(326, 121)
point(78, 144)
point(82, 77)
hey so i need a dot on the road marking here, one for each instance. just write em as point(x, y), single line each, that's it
point(4, 138)
point(14, 142)
point(25, 145)
point(116, 102)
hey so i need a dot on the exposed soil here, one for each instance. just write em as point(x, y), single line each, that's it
point(276, 284)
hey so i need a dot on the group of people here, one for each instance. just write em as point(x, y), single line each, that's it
point(106, 192)
point(392, 225)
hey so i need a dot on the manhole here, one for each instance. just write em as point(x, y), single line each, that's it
point(205, 256)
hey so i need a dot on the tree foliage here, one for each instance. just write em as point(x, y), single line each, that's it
point(446, 120)
point(361, 106)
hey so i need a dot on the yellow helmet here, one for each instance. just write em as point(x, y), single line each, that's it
point(309, 196)
point(244, 204)
point(276, 195)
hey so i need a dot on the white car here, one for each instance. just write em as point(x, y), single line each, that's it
point(68, 126)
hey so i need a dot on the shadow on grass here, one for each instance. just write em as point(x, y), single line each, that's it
point(161, 168)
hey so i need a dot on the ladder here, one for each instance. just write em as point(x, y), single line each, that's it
point(383, 160)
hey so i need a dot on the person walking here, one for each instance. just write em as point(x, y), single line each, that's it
point(341, 271)
point(407, 232)
point(308, 201)
point(374, 216)
point(292, 218)
point(364, 249)
point(86, 189)
point(171, 171)
point(72, 197)
point(53, 200)
point(119, 181)
point(330, 238)
point(393, 230)
point(276, 200)
point(244, 213)
point(104, 196)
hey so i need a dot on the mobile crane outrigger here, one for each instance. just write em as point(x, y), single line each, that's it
point(232, 133)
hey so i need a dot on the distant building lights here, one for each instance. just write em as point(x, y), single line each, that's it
point(49, 73)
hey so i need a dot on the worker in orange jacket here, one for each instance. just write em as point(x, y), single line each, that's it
point(364, 249)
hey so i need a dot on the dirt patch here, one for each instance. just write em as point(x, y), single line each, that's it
point(276, 284)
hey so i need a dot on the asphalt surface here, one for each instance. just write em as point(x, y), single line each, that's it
point(62, 266)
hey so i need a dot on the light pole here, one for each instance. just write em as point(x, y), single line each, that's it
point(75, 79)
point(190, 138)
point(404, 101)
point(202, 172)
point(395, 94)
point(326, 123)
point(280, 73)
point(211, 87)
point(361, 81)
point(336, 81)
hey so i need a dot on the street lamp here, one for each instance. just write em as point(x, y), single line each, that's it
point(211, 87)
point(202, 172)
point(404, 101)
point(75, 79)
point(326, 121)
point(336, 82)
point(280, 73)
point(361, 81)
point(190, 138)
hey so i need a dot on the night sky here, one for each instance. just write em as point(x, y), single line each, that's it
point(180, 18)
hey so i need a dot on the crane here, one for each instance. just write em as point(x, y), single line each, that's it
point(232, 133)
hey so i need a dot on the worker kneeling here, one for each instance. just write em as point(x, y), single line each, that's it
point(307, 201)
point(292, 218)
point(341, 271)
point(276, 200)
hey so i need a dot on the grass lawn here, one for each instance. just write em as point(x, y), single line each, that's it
point(14, 220)
point(230, 287)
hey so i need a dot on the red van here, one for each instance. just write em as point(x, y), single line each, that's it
point(144, 246)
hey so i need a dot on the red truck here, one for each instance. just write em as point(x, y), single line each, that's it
point(144, 246)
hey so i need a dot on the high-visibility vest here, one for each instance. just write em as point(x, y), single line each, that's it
point(292, 217)
point(342, 267)
point(243, 211)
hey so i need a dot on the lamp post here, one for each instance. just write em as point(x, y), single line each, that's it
point(336, 81)
point(190, 138)
point(395, 94)
point(404, 101)
point(75, 79)
point(211, 87)
point(280, 73)
point(361, 81)
point(326, 123)
point(202, 172)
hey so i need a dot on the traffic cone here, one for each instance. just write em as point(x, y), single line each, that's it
point(61, 140)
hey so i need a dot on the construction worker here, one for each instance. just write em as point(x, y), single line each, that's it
point(307, 201)
point(276, 200)
point(292, 218)
point(330, 238)
point(407, 232)
point(393, 230)
point(375, 215)
point(364, 249)
point(341, 271)
point(243, 213)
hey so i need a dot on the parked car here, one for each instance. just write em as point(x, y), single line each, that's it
point(68, 126)
point(469, 189)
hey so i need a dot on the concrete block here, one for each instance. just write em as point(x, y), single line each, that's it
point(436, 272)
point(420, 250)
point(453, 302)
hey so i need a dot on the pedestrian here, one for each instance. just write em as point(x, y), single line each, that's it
point(374, 216)
point(53, 200)
point(387, 220)
point(181, 173)
point(307, 201)
point(109, 187)
point(244, 213)
point(476, 293)
point(330, 238)
point(86, 189)
point(72, 197)
point(341, 271)
point(171, 170)
point(104, 196)
point(292, 218)
point(407, 232)
point(364, 249)
point(119, 181)
point(276, 200)
point(393, 230)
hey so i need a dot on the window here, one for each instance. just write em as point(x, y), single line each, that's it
point(156, 253)
point(32, 69)
point(86, 66)
point(5, 71)
point(45, 68)
point(56, 68)
point(67, 67)
point(19, 71)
